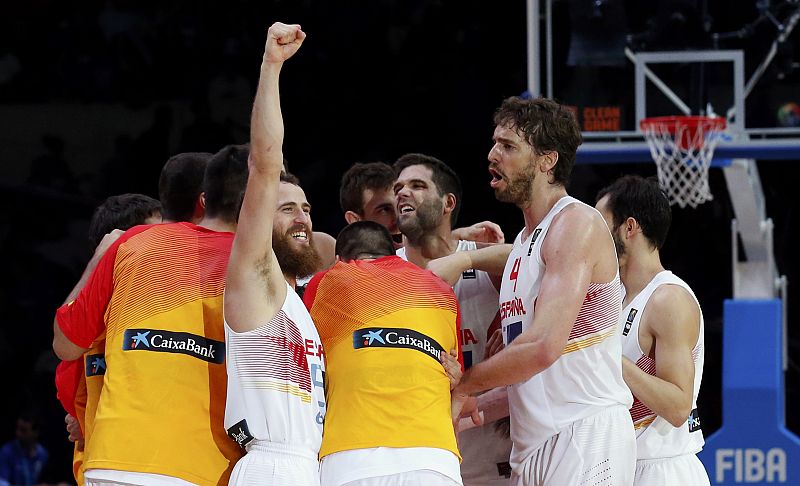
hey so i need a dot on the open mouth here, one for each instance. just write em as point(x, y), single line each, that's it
point(299, 235)
point(496, 177)
point(397, 237)
point(405, 208)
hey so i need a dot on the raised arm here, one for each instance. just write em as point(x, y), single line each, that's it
point(255, 289)
point(672, 318)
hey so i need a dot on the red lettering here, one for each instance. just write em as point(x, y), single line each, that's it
point(467, 337)
point(515, 272)
point(309, 347)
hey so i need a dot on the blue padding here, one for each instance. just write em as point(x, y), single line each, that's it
point(753, 445)
point(630, 152)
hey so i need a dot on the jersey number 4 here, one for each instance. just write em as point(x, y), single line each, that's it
point(515, 272)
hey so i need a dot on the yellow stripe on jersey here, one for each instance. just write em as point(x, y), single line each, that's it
point(590, 341)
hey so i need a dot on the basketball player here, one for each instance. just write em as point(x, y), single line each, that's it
point(560, 301)
point(276, 403)
point(156, 297)
point(77, 385)
point(428, 198)
point(385, 324)
point(365, 194)
point(662, 338)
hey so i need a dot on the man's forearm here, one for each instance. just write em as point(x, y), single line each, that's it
point(516, 363)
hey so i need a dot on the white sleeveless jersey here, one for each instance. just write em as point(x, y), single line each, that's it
point(484, 450)
point(587, 378)
point(276, 380)
point(655, 437)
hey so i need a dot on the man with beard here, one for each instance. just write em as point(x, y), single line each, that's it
point(292, 238)
point(276, 400)
point(385, 324)
point(560, 301)
point(428, 198)
point(662, 340)
point(365, 194)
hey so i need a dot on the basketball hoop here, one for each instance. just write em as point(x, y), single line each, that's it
point(682, 147)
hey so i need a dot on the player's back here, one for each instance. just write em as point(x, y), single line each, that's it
point(383, 325)
point(162, 403)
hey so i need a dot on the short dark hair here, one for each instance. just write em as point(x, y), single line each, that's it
point(632, 196)
point(364, 238)
point(443, 176)
point(225, 181)
point(290, 178)
point(360, 177)
point(181, 183)
point(120, 212)
point(546, 126)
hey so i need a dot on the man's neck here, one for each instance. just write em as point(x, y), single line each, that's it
point(291, 280)
point(541, 201)
point(217, 224)
point(430, 246)
point(641, 266)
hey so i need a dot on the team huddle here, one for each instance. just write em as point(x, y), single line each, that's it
point(215, 338)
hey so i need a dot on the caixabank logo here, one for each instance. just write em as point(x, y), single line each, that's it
point(174, 342)
point(391, 337)
point(95, 365)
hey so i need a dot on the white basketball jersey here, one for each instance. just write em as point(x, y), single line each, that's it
point(655, 437)
point(587, 378)
point(276, 378)
point(484, 450)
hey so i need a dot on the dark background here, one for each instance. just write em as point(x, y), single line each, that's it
point(96, 95)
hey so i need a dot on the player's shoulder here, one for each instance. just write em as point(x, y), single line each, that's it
point(670, 294)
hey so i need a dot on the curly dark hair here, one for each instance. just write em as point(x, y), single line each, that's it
point(546, 126)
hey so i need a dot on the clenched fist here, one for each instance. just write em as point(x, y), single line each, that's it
point(282, 42)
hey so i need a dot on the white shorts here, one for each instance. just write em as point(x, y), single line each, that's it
point(597, 450)
point(112, 477)
point(685, 470)
point(267, 464)
point(411, 478)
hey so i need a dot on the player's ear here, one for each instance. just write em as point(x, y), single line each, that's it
point(631, 227)
point(449, 203)
point(351, 217)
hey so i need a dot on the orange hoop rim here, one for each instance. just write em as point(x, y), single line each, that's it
point(672, 123)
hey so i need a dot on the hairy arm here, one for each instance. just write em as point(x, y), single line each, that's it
point(568, 252)
point(255, 287)
point(672, 318)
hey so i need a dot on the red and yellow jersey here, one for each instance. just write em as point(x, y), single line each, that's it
point(382, 325)
point(156, 297)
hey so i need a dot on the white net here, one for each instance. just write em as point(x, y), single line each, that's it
point(682, 148)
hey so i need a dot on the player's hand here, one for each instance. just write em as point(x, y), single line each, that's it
point(282, 42)
point(74, 430)
point(106, 242)
point(452, 367)
point(494, 344)
point(483, 232)
point(462, 405)
point(449, 268)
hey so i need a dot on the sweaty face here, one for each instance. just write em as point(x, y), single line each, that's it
point(379, 208)
point(291, 233)
point(511, 167)
point(420, 208)
point(602, 206)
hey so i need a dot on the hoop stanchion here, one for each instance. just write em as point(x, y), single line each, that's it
point(682, 148)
